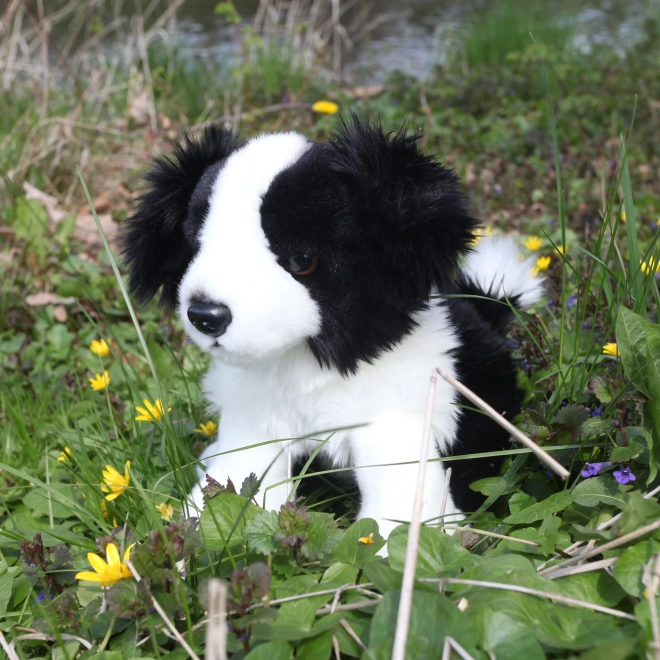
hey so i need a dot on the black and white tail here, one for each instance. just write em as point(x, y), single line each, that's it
point(495, 270)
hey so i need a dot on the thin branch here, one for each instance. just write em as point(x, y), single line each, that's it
point(352, 634)
point(405, 602)
point(327, 609)
point(8, 649)
point(505, 424)
point(604, 525)
point(451, 643)
point(651, 581)
point(534, 592)
point(161, 613)
point(584, 568)
point(216, 631)
point(483, 532)
point(597, 550)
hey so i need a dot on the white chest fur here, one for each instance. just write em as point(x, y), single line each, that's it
point(372, 421)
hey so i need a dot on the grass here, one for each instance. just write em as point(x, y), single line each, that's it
point(559, 155)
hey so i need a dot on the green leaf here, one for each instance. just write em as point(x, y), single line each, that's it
point(221, 515)
point(629, 567)
point(507, 638)
point(31, 226)
point(651, 408)
point(277, 650)
point(625, 454)
point(602, 388)
point(573, 415)
point(519, 501)
point(339, 574)
point(37, 500)
point(557, 502)
point(438, 554)
point(631, 340)
point(598, 588)
point(260, 532)
point(596, 426)
point(549, 534)
point(322, 536)
point(488, 486)
point(595, 490)
point(637, 513)
point(315, 648)
point(433, 616)
point(6, 581)
point(351, 551)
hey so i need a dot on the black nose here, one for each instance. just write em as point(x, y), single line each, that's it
point(209, 318)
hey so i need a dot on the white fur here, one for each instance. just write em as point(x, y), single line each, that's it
point(292, 397)
point(496, 267)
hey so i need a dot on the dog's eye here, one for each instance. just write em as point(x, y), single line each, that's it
point(303, 264)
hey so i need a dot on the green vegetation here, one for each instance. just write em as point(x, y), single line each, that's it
point(579, 177)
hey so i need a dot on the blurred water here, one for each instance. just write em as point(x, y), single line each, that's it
point(415, 35)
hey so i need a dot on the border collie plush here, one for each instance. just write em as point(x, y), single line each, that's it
point(311, 274)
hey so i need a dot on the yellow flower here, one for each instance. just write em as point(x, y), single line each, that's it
point(651, 267)
point(166, 511)
point(479, 233)
point(611, 349)
point(532, 243)
point(623, 215)
point(542, 263)
point(65, 455)
point(111, 570)
point(210, 428)
point(116, 484)
point(99, 347)
point(152, 413)
point(560, 249)
point(367, 540)
point(325, 107)
point(100, 382)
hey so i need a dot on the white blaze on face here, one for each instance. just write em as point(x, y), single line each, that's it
point(271, 311)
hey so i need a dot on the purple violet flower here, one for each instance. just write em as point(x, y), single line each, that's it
point(572, 301)
point(624, 475)
point(597, 412)
point(592, 469)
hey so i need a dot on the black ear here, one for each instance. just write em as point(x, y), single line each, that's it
point(410, 209)
point(159, 237)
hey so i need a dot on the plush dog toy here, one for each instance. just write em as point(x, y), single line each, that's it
point(313, 274)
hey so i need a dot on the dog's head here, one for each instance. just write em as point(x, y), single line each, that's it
point(282, 241)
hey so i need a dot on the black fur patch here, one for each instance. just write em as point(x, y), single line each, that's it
point(387, 223)
point(484, 365)
point(160, 237)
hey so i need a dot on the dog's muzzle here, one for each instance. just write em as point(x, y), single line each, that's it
point(210, 319)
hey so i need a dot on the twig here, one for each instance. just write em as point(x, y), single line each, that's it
point(533, 592)
point(584, 568)
point(516, 433)
point(483, 532)
point(352, 634)
point(445, 495)
point(52, 638)
point(327, 609)
point(604, 525)
point(9, 650)
point(451, 643)
point(405, 603)
point(651, 581)
point(162, 614)
point(216, 631)
point(335, 647)
point(603, 548)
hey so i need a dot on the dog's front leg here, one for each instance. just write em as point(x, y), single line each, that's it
point(236, 454)
point(388, 492)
